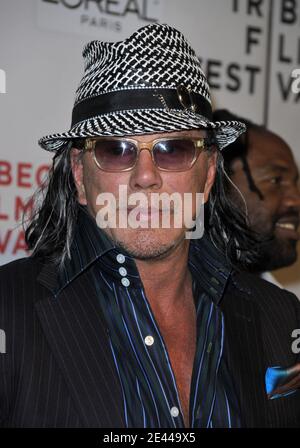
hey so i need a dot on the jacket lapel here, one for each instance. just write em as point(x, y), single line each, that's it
point(245, 351)
point(77, 334)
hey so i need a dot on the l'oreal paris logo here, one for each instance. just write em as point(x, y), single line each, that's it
point(143, 9)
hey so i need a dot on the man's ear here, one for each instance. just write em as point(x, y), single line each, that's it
point(77, 171)
point(211, 174)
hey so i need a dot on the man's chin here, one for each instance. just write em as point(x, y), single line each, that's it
point(147, 244)
point(276, 254)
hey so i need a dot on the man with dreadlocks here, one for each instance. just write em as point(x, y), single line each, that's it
point(263, 170)
point(135, 326)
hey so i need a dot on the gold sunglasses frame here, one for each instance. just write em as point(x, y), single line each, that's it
point(200, 145)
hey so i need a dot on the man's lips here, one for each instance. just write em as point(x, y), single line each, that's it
point(147, 211)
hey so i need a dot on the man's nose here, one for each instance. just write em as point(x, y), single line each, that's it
point(292, 197)
point(145, 175)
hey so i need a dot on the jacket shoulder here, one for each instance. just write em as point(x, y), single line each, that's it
point(262, 290)
point(18, 280)
point(279, 309)
point(20, 265)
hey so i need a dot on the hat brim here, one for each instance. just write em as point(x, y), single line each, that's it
point(145, 121)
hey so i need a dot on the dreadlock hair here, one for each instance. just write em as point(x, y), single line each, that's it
point(239, 148)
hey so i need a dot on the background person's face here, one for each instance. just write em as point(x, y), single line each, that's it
point(275, 174)
point(146, 178)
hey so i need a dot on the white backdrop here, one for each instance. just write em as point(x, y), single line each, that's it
point(248, 49)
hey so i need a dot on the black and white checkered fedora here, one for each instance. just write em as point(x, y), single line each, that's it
point(151, 82)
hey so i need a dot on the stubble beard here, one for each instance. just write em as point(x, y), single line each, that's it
point(144, 244)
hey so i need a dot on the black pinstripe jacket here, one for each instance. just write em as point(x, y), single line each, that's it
point(58, 371)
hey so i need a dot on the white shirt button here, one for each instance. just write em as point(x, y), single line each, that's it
point(149, 340)
point(125, 281)
point(123, 271)
point(120, 258)
point(174, 411)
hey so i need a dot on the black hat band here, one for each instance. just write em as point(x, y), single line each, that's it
point(134, 99)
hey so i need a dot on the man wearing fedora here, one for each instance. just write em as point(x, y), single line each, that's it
point(124, 326)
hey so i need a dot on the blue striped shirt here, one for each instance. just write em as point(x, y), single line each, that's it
point(150, 394)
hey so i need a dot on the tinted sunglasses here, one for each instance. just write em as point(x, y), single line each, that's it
point(115, 154)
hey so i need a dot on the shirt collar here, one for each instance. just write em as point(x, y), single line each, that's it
point(208, 265)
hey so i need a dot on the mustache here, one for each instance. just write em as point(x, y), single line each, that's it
point(146, 205)
point(292, 215)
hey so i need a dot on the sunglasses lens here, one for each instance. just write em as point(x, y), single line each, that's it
point(115, 155)
point(174, 155)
